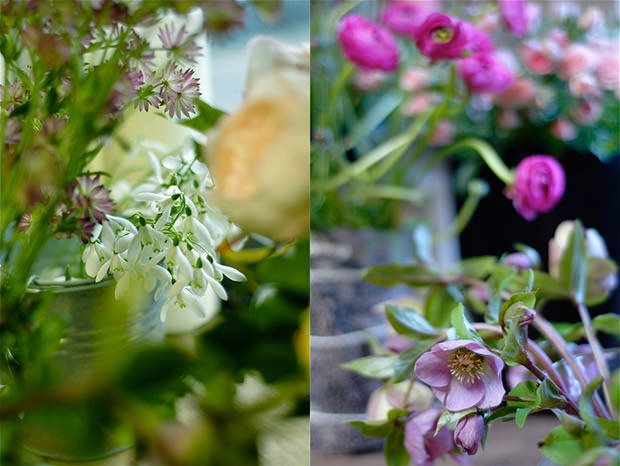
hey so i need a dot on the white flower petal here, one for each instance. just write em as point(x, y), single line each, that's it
point(103, 271)
point(231, 273)
point(150, 197)
point(217, 287)
point(154, 161)
point(171, 163)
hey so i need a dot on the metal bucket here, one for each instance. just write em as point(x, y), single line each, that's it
point(100, 332)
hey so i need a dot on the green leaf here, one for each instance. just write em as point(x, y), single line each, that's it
point(526, 389)
point(412, 275)
point(394, 449)
point(376, 347)
point(207, 118)
point(573, 265)
point(375, 429)
point(422, 237)
point(513, 349)
point(607, 323)
point(548, 395)
point(375, 367)
point(397, 413)
point(373, 118)
point(462, 326)
point(404, 365)
point(528, 299)
point(562, 447)
point(450, 418)
point(521, 416)
point(477, 267)
point(597, 286)
point(586, 410)
point(502, 280)
point(590, 456)
point(408, 322)
point(439, 303)
point(505, 413)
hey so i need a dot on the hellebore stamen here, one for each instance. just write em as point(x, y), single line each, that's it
point(466, 365)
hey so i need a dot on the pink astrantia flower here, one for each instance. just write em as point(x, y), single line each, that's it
point(366, 44)
point(462, 374)
point(92, 198)
point(483, 73)
point(441, 37)
point(539, 185)
point(178, 92)
point(468, 434)
point(420, 439)
point(513, 14)
point(182, 50)
point(405, 18)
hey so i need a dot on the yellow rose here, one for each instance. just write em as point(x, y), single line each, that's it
point(259, 156)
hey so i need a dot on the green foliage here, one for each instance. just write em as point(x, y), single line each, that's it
point(394, 449)
point(404, 365)
point(375, 429)
point(409, 322)
point(462, 326)
point(374, 367)
point(573, 265)
point(412, 275)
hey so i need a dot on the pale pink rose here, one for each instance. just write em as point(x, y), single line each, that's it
point(520, 94)
point(608, 71)
point(536, 59)
point(443, 134)
point(563, 129)
point(577, 59)
point(414, 78)
point(587, 112)
point(418, 104)
point(584, 85)
point(508, 119)
point(368, 80)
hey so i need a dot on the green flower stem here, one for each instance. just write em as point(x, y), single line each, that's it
point(465, 214)
point(488, 154)
point(597, 351)
point(392, 192)
point(552, 335)
point(334, 92)
point(402, 141)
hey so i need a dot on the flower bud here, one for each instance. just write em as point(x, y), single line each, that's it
point(468, 434)
point(366, 44)
point(518, 260)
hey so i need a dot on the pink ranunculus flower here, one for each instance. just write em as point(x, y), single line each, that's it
point(587, 112)
point(563, 129)
point(366, 44)
point(462, 374)
point(421, 443)
point(513, 13)
point(577, 58)
point(441, 37)
point(468, 434)
point(539, 185)
point(478, 42)
point(405, 18)
point(536, 59)
point(483, 73)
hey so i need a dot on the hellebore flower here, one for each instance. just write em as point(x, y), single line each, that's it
point(366, 44)
point(405, 18)
point(441, 37)
point(513, 14)
point(482, 73)
point(462, 374)
point(468, 434)
point(420, 439)
point(539, 185)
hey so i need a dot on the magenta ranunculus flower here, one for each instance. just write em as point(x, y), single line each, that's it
point(478, 42)
point(441, 37)
point(468, 434)
point(462, 374)
point(405, 17)
point(513, 14)
point(420, 439)
point(366, 44)
point(539, 185)
point(483, 73)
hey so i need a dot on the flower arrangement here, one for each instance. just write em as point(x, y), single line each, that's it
point(411, 84)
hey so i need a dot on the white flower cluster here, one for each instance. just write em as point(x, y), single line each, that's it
point(171, 240)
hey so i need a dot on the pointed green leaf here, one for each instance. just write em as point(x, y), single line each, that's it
point(408, 322)
point(562, 447)
point(394, 449)
point(375, 429)
point(404, 365)
point(412, 275)
point(375, 367)
point(521, 416)
point(573, 265)
point(462, 326)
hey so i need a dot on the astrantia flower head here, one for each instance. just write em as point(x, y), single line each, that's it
point(462, 374)
point(180, 50)
point(178, 91)
point(367, 44)
point(91, 197)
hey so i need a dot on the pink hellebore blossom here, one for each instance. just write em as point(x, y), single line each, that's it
point(420, 439)
point(462, 374)
point(366, 44)
point(441, 37)
point(405, 18)
point(468, 434)
point(483, 73)
point(539, 185)
point(513, 14)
